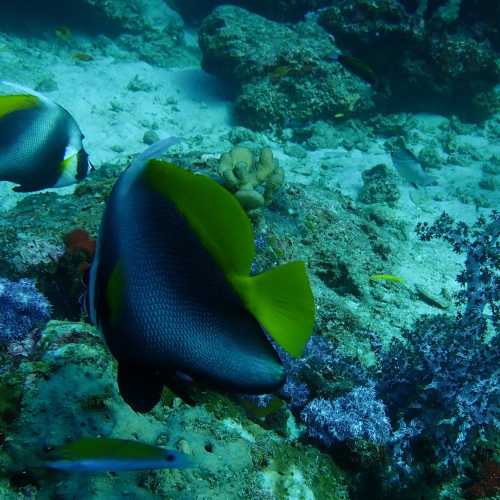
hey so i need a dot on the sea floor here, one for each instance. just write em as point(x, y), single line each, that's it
point(117, 100)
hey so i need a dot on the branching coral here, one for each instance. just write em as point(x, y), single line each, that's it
point(446, 379)
point(253, 180)
point(481, 276)
point(445, 382)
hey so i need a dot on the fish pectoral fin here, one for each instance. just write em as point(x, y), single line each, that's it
point(140, 387)
point(281, 300)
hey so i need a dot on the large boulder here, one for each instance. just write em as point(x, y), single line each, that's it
point(283, 74)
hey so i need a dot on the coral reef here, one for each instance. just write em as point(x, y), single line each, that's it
point(247, 176)
point(379, 186)
point(283, 74)
point(442, 54)
point(481, 276)
point(430, 399)
point(278, 10)
point(46, 248)
point(135, 15)
point(149, 29)
point(112, 16)
point(70, 391)
point(396, 395)
point(444, 383)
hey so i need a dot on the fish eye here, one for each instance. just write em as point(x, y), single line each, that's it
point(170, 457)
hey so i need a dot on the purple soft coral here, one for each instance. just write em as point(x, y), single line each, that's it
point(481, 276)
point(357, 415)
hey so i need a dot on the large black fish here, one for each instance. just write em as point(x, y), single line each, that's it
point(170, 288)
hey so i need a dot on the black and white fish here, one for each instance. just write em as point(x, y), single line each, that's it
point(40, 142)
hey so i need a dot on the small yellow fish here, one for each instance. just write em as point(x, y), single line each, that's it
point(82, 56)
point(63, 33)
point(386, 277)
point(279, 72)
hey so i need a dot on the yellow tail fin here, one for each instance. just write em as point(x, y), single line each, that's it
point(282, 302)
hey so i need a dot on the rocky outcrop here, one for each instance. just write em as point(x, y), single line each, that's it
point(134, 15)
point(283, 74)
point(278, 10)
point(437, 56)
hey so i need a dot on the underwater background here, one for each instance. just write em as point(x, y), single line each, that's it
point(361, 137)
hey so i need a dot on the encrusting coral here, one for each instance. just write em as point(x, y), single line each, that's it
point(252, 180)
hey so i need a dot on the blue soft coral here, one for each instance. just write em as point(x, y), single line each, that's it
point(22, 308)
point(357, 415)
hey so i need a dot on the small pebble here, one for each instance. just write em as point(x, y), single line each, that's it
point(183, 447)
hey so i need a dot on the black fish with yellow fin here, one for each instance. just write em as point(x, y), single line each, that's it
point(170, 288)
point(40, 142)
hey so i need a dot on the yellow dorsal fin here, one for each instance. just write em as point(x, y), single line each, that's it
point(282, 302)
point(11, 103)
point(213, 213)
point(280, 299)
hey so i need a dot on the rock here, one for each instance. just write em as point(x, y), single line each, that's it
point(427, 57)
point(279, 10)
point(379, 186)
point(434, 300)
point(150, 137)
point(47, 85)
point(134, 15)
point(284, 74)
point(295, 150)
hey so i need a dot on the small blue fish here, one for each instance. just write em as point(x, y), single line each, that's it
point(114, 455)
